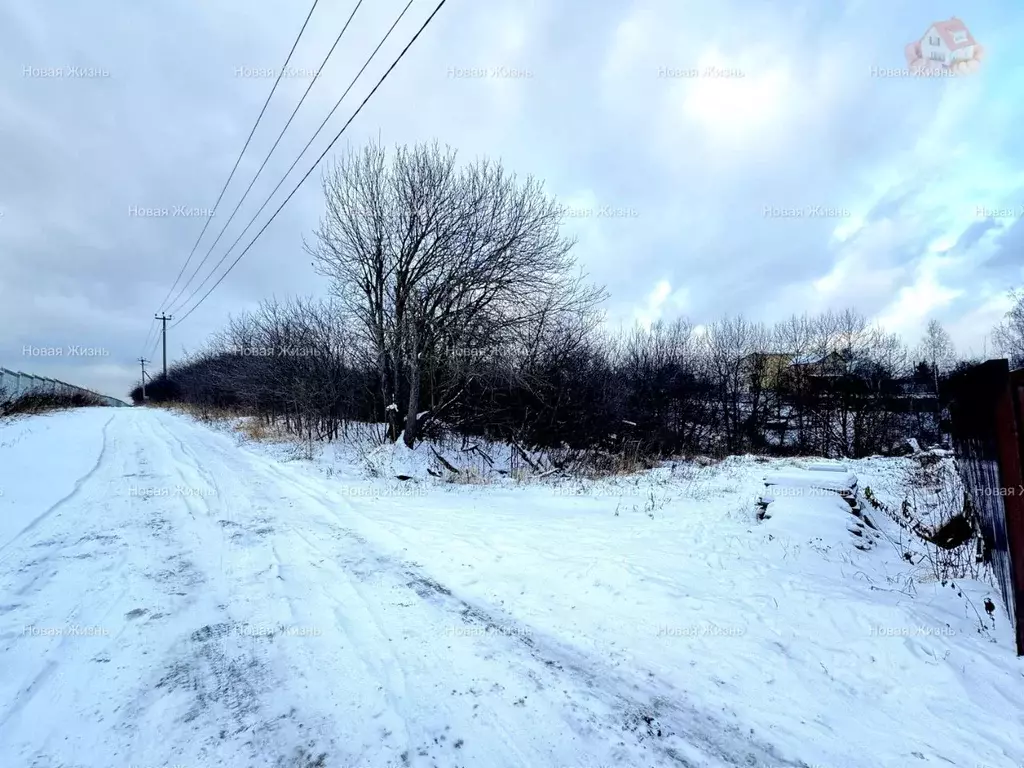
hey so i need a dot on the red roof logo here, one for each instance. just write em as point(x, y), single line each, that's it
point(947, 47)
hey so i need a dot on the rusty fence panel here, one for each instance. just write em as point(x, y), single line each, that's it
point(986, 407)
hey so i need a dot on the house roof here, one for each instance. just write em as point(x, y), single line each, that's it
point(946, 30)
point(810, 358)
point(805, 359)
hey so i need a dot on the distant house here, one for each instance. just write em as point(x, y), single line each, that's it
point(771, 370)
point(819, 365)
point(766, 370)
point(916, 386)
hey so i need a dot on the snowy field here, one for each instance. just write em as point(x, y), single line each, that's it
point(172, 594)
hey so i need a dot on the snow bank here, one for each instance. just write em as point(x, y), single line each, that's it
point(832, 480)
point(794, 631)
point(823, 465)
point(787, 636)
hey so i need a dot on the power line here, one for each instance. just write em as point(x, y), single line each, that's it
point(145, 343)
point(248, 189)
point(234, 169)
point(318, 160)
point(246, 146)
point(152, 347)
point(296, 161)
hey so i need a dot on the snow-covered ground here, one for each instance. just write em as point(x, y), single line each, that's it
point(169, 596)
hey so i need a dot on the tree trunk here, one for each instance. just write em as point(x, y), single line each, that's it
point(412, 414)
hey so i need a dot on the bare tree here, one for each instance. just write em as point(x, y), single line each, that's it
point(937, 350)
point(794, 339)
point(1009, 334)
point(431, 259)
point(731, 345)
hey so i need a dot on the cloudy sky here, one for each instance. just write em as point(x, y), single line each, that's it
point(691, 123)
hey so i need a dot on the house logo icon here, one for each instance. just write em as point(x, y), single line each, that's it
point(947, 48)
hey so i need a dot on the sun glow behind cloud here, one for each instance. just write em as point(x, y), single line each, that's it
point(732, 100)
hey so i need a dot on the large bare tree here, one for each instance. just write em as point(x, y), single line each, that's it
point(1009, 334)
point(937, 350)
point(436, 261)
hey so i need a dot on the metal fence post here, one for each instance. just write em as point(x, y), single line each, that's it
point(987, 425)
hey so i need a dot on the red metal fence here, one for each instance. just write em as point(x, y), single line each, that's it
point(986, 405)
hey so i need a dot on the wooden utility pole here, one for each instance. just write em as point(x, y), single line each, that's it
point(164, 319)
point(143, 361)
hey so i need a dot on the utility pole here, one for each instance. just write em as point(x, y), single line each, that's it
point(164, 318)
point(143, 361)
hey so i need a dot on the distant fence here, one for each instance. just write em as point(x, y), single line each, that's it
point(987, 426)
point(16, 383)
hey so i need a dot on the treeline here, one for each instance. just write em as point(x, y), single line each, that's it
point(456, 306)
point(840, 388)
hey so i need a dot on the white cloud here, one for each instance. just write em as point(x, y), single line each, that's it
point(916, 303)
point(661, 303)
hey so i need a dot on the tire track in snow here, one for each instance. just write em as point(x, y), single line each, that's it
point(365, 640)
point(615, 705)
point(74, 492)
point(383, 663)
point(636, 719)
point(193, 460)
point(91, 588)
point(227, 672)
point(378, 640)
point(657, 717)
point(74, 679)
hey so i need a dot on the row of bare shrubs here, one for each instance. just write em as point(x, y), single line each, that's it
point(42, 402)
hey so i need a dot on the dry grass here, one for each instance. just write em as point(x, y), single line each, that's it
point(601, 464)
point(523, 474)
point(32, 403)
point(200, 413)
point(247, 427)
point(254, 429)
point(467, 477)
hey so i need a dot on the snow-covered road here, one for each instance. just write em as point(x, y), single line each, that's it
point(169, 598)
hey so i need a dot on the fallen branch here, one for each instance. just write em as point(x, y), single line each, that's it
point(444, 461)
point(525, 457)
